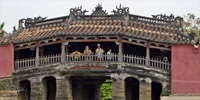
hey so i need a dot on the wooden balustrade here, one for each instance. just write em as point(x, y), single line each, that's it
point(50, 59)
point(160, 64)
point(127, 58)
point(134, 59)
point(91, 58)
point(21, 63)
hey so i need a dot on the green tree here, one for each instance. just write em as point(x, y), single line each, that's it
point(191, 23)
point(106, 90)
point(2, 25)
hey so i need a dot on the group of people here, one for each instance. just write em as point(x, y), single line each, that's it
point(99, 52)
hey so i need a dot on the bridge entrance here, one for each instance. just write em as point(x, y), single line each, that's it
point(87, 88)
point(156, 89)
point(25, 90)
point(49, 88)
point(132, 89)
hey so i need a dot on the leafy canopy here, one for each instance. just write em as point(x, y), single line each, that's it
point(191, 23)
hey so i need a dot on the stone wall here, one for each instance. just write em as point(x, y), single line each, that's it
point(66, 90)
point(6, 83)
point(7, 90)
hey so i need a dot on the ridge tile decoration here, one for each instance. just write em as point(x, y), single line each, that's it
point(152, 29)
point(99, 11)
point(121, 10)
point(29, 21)
point(77, 11)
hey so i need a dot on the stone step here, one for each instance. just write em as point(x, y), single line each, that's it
point(8, 98)
point(180, 98)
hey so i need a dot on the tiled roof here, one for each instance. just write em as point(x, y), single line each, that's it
point(85, 25)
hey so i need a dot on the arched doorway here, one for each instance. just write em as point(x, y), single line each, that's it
point(88, 87)
point(156, 89)
point(132, 88)
point(49, 88)
point(25, 89)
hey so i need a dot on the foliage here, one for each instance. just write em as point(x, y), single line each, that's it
point(2, 25)
point(4, 85)
point(165, 93)
point(191, 23)
point(106, 90)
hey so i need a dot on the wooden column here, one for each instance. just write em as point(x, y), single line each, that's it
point(63, 54)
point(120, 59)
point(17, 54)
point(66, 49)
point(147, 54)
point(37, 54)
point(41, 51)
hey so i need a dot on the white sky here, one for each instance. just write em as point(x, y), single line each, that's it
point(13, 10)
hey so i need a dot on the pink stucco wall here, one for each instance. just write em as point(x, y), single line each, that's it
point(185, 70)
point(6, 60)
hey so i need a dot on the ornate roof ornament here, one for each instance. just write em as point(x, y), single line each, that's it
point(164, 17)
point(99, 11)
point(77, 11)
point(177, 21)
point(121, 10)
point(30, 21)
point(192, 35)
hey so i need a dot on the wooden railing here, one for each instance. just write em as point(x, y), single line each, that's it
point(92, 58)
point(160, 64)
point(132, 59)
point(50, 59)
point(27, 62)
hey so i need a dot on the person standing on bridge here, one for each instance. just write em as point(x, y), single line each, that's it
point(87, 52)
point(99, 52)
point(109, 55)
point(76, 55)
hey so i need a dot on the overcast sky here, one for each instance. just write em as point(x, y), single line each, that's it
point(13, 10)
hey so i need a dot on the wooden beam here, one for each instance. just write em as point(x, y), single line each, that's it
point(27, 47)
point(161, 48)
point(50, 43)
point(153, 47)
point(40, 45)
point(94, 40)
point(135, 43)
point(54, 42)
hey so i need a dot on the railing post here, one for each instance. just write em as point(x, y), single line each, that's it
point(120, 55)
point(37, 54)
point(147, 54)
point(63, 54)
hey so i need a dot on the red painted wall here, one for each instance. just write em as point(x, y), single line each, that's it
point(185, 70)
point(6, 60)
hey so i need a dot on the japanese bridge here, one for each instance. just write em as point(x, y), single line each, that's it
point(44, 69)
